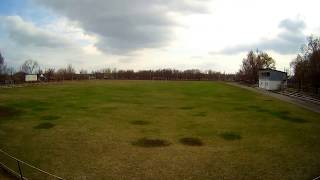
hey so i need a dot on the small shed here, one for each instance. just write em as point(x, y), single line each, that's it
point(31, 77)
point(271, 79)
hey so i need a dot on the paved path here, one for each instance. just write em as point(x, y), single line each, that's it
point(307, 105)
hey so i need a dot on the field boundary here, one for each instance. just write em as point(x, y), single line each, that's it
point(19, 175)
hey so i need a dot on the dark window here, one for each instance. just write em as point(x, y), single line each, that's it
point(265, 74)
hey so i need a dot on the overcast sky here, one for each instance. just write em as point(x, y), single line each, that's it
point(152, 34)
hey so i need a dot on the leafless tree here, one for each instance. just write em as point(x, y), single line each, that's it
point(2, 65)
point(306, 66)
point(49, 74)
point(252, 64)
point(30, 66)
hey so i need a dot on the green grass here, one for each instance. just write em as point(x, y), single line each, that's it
point(148, 130)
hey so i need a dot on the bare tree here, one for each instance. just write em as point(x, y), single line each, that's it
point(306, 66)
point(300, 68)
point(49, 74)
point(252, 63)
point(30, 66)
point(1, 59)
point(2, 65)
point(83, 71)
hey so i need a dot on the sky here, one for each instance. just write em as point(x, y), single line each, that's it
point(154, 34)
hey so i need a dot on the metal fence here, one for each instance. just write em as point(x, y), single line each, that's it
point(22, 170)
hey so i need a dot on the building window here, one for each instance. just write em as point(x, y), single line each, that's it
point(265, 74)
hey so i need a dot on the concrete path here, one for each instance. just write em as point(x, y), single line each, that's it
point(304, 104)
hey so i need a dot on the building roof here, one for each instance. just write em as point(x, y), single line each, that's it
point(269, 69)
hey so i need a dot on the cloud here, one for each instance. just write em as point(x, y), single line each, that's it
point(27, 34)
point(288, 41)
point(124, 26)
point(292, 25)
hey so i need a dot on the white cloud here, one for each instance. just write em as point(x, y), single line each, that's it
point(25, 33)
point(124, 26)
point(288, 41)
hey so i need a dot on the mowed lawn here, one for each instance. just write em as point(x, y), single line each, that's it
point(158, 130)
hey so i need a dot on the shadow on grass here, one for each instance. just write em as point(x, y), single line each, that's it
point(284, 115)
point(230, 136)
point(44, 126)
point(150, 143)
point(190, 141)
point(140, 122)
point(50, 117)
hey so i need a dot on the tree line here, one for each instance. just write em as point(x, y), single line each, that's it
point(306, 66)
point(69, 73)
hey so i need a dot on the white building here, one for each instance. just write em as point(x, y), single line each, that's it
point(31, 78)
point(271, 79)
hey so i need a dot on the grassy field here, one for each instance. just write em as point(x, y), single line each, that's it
point(158, 130)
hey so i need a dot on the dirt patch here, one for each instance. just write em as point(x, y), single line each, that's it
point(140, 122)
point(7, 112)
point(44, 126)
point(50, 117)
point(230, 136)
point(150, 143)
point(190, 141)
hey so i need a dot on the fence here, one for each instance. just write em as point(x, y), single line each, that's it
point(22, 170)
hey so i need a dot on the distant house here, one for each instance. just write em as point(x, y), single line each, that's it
point(31, 77)
point(271, 79)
